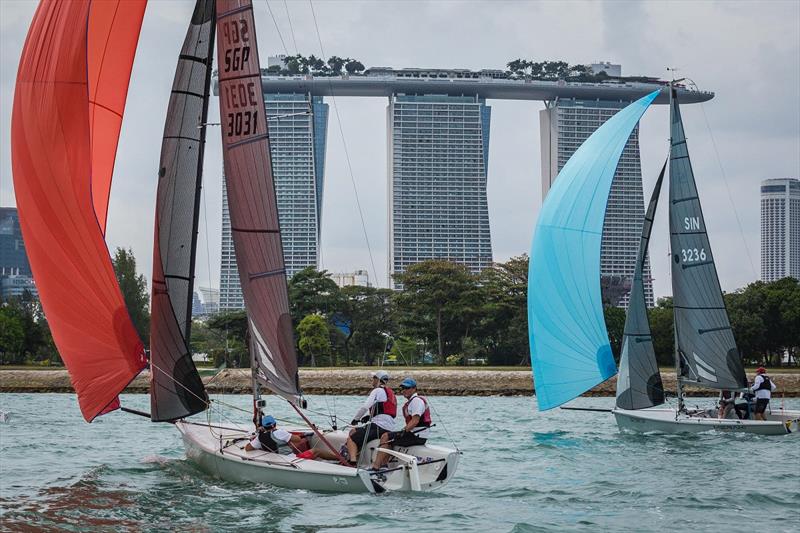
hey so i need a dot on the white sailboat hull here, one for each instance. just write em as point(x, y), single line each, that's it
point(220, 452)
point(779, 422)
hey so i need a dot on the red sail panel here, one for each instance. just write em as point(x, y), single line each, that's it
point(52, 164)
point(113, 34)
point(251, 200)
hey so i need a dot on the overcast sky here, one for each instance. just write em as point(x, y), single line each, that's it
point(747, 53)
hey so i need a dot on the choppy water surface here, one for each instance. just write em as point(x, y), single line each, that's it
point(520, 471)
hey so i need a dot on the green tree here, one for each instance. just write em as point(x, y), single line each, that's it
point(435, 303)
point(12, 336)
point(503, 326)
point(661, 327)
point(368, 315)
point(230, 331)
point(134, 291)
point(312, 292)
point(336, 64)
point(354, 66)
point(314, 337)
point(615, 325)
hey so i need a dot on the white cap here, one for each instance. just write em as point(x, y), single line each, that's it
point(382, 375)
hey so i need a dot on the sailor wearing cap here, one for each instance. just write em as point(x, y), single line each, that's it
point(763, 387)
point(380, 408)
point(270, 438)
point(417, 416)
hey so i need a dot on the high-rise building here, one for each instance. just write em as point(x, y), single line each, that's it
point(346, 279)
point(15, 271)
point(297, 129)
point(565, 124)
point(438, 157)
point(780, 229)
point(210, 299)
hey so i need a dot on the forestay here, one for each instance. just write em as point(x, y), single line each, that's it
point(69, 101)
point(570, 351)
point(639, 383)
point(176, 390)
point(706, 348)
point(251, 201)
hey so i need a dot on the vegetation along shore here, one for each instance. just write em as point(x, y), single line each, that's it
point(435, 382)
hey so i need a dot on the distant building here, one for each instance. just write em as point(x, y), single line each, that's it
point(565, 124)
point(15, 271)
point(197, 306)
point(345, 279)
point(438, 158)
point(780, 229)
point(210, 300)
point(298, 125)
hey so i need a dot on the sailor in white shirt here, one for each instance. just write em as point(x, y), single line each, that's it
point(763, 387)
point(270, 438)
point(379, 410)
point(417, 416)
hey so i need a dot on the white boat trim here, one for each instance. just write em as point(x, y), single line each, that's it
point(779, 422)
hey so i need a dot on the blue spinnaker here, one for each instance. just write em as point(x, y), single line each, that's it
point(570, 352)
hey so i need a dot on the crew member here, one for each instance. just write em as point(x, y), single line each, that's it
point(379, 411)
point(270, 438)
point(763, 387)
point(417, 417)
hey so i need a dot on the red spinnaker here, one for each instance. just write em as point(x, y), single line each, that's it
point(70, 94)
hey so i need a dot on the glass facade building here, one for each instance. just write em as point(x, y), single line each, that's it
point(780, 229)
point(565, 124)
point(438, 157)
point(15, 271)
point(297, 128)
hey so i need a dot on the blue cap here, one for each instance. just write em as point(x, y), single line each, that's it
point(268, 421)
point(408, 383)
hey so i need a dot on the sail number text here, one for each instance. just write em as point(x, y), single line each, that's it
point(237, 36)
point(241, 105)
point(693, 254)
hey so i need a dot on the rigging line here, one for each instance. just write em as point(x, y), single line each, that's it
point(346, 152)
point(277, 29)
point(291, 28)
point(728, 189)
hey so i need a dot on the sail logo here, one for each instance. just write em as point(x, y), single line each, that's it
point(691, 223)
point(704, 369)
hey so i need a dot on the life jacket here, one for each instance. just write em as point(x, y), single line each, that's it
point(389, 407)
point(765, 383)
point(425, 419)
point(269, 444)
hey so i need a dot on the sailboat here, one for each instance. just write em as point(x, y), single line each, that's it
point(78, 79)
point(570, 351)
point(705, 349)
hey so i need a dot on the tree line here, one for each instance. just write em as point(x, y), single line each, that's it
point(445, 314)
point(317, 66)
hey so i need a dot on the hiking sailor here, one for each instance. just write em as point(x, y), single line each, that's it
point(272, 439)
point(763, 387)
point(417, 417)
point(378, 412)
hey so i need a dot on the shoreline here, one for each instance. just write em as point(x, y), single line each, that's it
point(356, 382)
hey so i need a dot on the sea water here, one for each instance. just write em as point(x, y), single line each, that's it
point(520, 471)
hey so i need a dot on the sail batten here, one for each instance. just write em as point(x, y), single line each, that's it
point(252, 203)
point(639, 383)
point(706, 349)
point(68, 77)
point(176, 388)
point(570, 351)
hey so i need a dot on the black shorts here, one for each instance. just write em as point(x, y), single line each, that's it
point(405, 439)
point(761, 405)
point(375, 432)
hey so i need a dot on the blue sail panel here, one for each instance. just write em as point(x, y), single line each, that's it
point(570, 352)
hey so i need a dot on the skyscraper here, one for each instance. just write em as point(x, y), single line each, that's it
point(565, 124)
point(438, 156)
point(297, 129)
point(15, 271)
point(780, 229)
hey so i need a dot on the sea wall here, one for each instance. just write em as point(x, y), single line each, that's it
point(351, 382)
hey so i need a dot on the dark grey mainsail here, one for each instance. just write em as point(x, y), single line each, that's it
point(639, 381)
point(252, 203)
point(706, 350)
point(176, 390)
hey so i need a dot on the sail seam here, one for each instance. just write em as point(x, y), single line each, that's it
point(679, 200)
point(248, 141)
point(234, 11)
point(241, 77)
point(190, 93)
point(688, 233)
point(710, 330)
point(196, 59)
point(679, 157)
point(694, 308)
point(267, 274)
point(181, 137)
point(243, 230)
point(701, 263)
point(174, 276)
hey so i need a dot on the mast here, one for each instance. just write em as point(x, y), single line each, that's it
point(678, 387)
